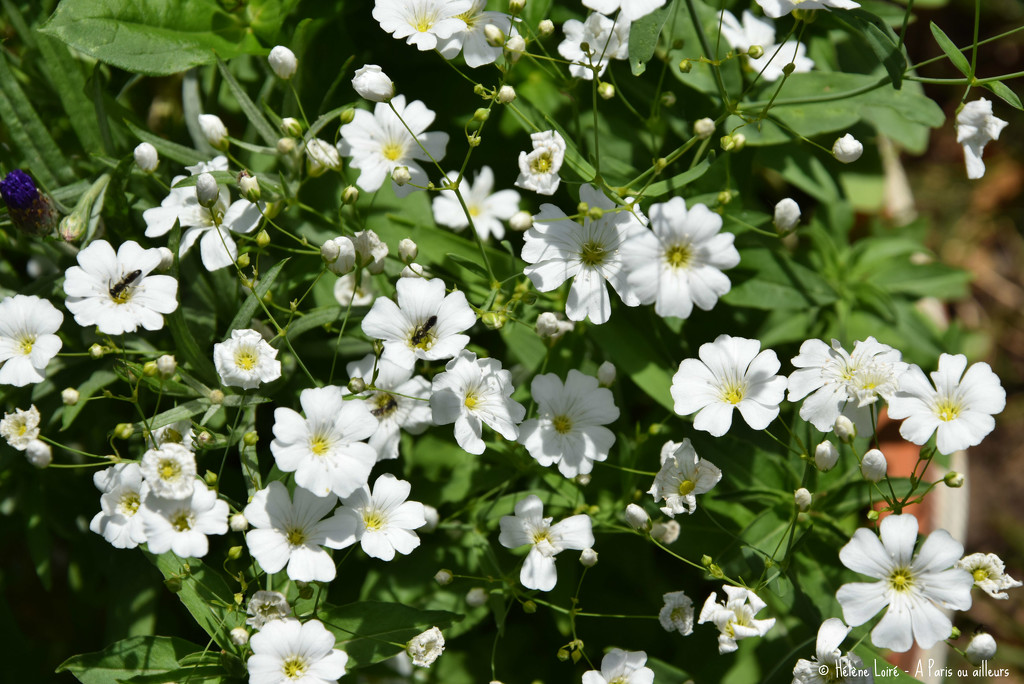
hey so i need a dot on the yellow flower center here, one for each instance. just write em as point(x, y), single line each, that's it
point(169, 469)
point(319, 445)
point(541, 164)
point(562, 424)
point(733, 394)
point(471, 400)
point(129, 504)
point(245, 359)
point(22, 428)
point(26, 343)
point(294, 667)
point(901, 580)
point(474, 210)
point(980, 575)
point(541, 536)
point(296, 536)
point(393, 151)
point(182, 521)
point(686, 486)
point(679, 256)
point(592, 253)
point(947, 410)
point(373, 520)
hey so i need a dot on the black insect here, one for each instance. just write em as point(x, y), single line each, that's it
point(386, 408)
point(421, 332)
point(118, 288)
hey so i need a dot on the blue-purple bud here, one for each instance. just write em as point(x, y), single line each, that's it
point(30, 210)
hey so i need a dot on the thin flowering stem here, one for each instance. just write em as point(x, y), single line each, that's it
point(906, 22)
point(706, 46)
point(974, 45)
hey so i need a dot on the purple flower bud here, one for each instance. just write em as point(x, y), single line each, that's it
point(31, 211)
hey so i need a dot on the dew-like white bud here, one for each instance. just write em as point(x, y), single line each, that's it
point(521, 221)
point(238, 523)
point(845, 430)
point(249, 186)
point(550, 327)
point(637, 517)
point(666, 532)
point(291, 127)
point(214, 130)
point(606, 91)
point(401, 175)
point(207, 190)
point(146, 157)
point(516, 6)
point(69, 396)
point(847, 149)
point(166, 365)
point(787, 215)
point(321, 156)
point(545, 28)
point(494, 35)
point(371, 83)
point(755, 51)
point(606, 373)
point(506, 94)
point(704, 128)
point(285, 146)
point(826, 455)
point(981, 648)
point(802, 498)
point(239, 636)
point(350, 195)
point(476, 597)
point(953, 479)
point(39, 453)
point(515, 47)
point(97, 350)
point(407, 250)
point(443, 577)
point(339, 254)
point(283, 62)
point(413, 270)
point(874, 466)
point(734, 142)
point(588, 558)
point(432, 518)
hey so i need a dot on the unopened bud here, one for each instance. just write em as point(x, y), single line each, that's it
point(214, 130)
point(124, 430)
point(516, 6)
point(529, 607)
point(725, 196)
point(981, 648)
point(953, 479)
point(481, 114)
point(637, 518)
point(283, 62)
point(72, 226)
point(166, 259)
point(787, 215)
point(251, 438)
point(606, 373)
point(401, 175)
point(348, 115)
point(285, 146)
point(715, 571)
point(588, 558)
point(515, 47)
point(97, 351)
point(802, 499)
point(235, 552)
point(356, 385)
point(845, 430)
point(412, 270)
point(506, 94)
point(521, 221)
point(206, 190)
point(704, 128)
point(149, 369)
point(476, 597)
point(167, 365)
point(685, 66)
point(873, 467)
point(494, 320)
point(583, 479)
point(350, 195)
point(209, 477)
point(243, 260)
point(606, 91)
point(291, 127)
point(39, 454)
point(407, 250)
point(666, 532)
point(239, 636)
point(788, 69)
point(755, 51)
point(668, 99)
point(495, 36)
point(146, 157)
point(545, 28)
point(216, 397)
point(249, 186)
point(825, 456)
point(69, 396)
point(734, 142)
point(431, 517)
point(262, 239)
point(443, 577)
point(238, 523)
point(847, 149)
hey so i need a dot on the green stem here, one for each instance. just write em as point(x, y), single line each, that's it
point(706, 46)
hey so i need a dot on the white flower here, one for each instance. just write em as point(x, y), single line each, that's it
point(730, 374)
point(847, 149)
point(802, 499)
point(677, 613)
point(115, 291)
point(487, 209)
point(422, 23)
point(323, 449)
point(874, 466)
point(551, 326)
point(558, 249)
point(424, 324)
point(283, 62)
point(399, 402)
point(917, 588)
point(631, 9)
point(472, 41)
point(379, 143)
point(834, 380)
point(959, 408)
point(605, 39)
point(975, 127)
point(146, 157)
point(118, 520)
point(291, 652)
point(212, 226)
point(181, 525)
point(321, 157)
point(169, 471)
point(787, 215)
point(754, 31)
point(371, 83)
point(370, 251)
point(471, 392)
point(779, 8)
point(382, 521)
point(214, 130)
point(39, 454)
point(339, 254)
point(538, 169)
point(829, 664)
point(683, 475)
point(982, 647)
point(408, 250)
point(346, 292)
point(291, 531)
point(734, 617)
point(989, 574)
point(680, 261)
point(529, 526)
point(27, 339)
point(426, 647)
point(265, 606)
point(246, 360)
point(568, 429)
point(621, 667)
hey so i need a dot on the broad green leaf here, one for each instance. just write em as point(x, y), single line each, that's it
point(156, 37)
point(252, 302)
point(364, 629)
point(141, 655)
point(923, 280)
point(643, 38)
point(958, 58)
point(882, 39)
point(196, 674)
point(635, 354)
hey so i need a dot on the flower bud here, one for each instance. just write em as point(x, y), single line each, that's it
point(251, 438)
point(214, 130)
point(249, 186)
point(350, 195)
point(39, 453)
point(69, 396)
point(981, 648)
point(443, 577)
point(734, 142)
point(356, 385)
point(407, 250)
point(847, 149)
point(262, 239)
point(401, 175)
point(545, 28)
point(321, 156)
point(802, 499)
point(476, 597)
point(588, 558)
point(606, 91)
point(514, 48)
point(207, 190)
point(521, 221)
point(347, 115)
point(495, 36)
point(494, 320)
point(529, 607)
point(665, 532)
point(787, 215)
point(370, 251)
point(149, 369)
point(372, 84)
point(845, 430)
point(239, 636)
point(516, 6)
point(873, 466)
point(285, 146)
point(123, 430)
point(209, 477)
point(340, 255)
point(283, 62)
point(755, 51)
point(506, 94)
point(238, 523)
point(825, 456)
point(668, 99)
point(685, 66)
point(637, 518)
point(146, 157)
point(432, 518)
point(30, 210)
point(550, 327)
point(216, 397)
point(953, 479)
point(704, 128)
point(97, 351)
point(606, 374)
point(166, 259)
point(291, 127)
point(235, 552)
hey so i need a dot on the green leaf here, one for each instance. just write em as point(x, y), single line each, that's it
point(97, 381)
point(643, 38)
point(251, 111)
point(635, 355)
point(364, 629)
point(166, 148)
point(157, 37)
point(676, 183)
point(958, 58)
point(1001, 90)
point(185, 342)
point(882, 39)
point(127, 658)
point(252, 302)
point(199, 674)
point(65, 75)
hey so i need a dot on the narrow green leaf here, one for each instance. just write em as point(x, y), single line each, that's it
point(130, 657)
point(252, 302)
point(883, 42)
point(65, 74)
point(643, 38)
point(958, 58)
point(676, 183)
point(1001, 90)
point(28, 132)
point(166, 148)
point(467, 263)
point(251, 111)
